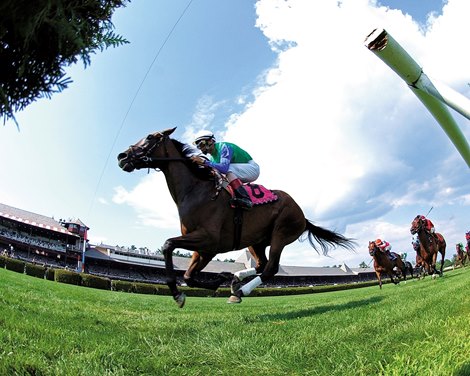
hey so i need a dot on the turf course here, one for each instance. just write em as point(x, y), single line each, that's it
point(418, 328)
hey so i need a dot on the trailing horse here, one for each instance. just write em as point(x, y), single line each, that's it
point(383, 264)
point(467, 247)
point(408, 268)
point(209, 225)
point(462, 257)
point(430, 245)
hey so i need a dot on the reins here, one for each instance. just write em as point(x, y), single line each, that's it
point(143, 155)
point(164, 159)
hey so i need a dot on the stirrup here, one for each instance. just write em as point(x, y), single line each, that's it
point(241, 203)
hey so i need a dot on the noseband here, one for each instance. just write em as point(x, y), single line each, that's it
point(415, 228)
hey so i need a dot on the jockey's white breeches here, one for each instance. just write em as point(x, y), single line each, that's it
point(246, 172)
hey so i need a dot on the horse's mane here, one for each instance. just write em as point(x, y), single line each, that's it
point(187, 151)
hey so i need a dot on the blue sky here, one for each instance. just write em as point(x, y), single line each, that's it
point(291, 82)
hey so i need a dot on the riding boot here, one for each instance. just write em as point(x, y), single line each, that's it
point(241, 199)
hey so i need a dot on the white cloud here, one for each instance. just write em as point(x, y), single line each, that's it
point(152, 201)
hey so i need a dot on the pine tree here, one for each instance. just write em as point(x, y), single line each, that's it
point(39, 38)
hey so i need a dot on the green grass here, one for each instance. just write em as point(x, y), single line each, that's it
point(418, 328)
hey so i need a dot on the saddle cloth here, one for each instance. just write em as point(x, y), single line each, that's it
point(259, 194)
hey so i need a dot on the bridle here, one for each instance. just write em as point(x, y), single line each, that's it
point(373, 250)
point(415, 228)
point(142, 153)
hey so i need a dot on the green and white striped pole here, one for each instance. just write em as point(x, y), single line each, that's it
point(432, 94)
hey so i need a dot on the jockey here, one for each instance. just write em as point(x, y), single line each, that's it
point(232, 161)
point(415, 243)
point(385, 247)
point(428, 225)
point(429, 228)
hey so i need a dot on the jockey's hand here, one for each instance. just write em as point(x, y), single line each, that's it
point(198, 160)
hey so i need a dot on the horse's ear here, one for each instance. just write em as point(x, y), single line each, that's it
point(168, 131)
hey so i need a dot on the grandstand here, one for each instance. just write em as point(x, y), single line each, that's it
point(40, 239)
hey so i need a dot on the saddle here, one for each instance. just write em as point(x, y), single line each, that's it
point(393, 256)
point(437, 238)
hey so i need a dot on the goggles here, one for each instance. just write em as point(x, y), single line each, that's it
point(202, 143)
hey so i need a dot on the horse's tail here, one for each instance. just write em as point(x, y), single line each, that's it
point(326, 238)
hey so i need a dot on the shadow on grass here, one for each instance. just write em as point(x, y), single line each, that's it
point(464, 370)
point(317, 310)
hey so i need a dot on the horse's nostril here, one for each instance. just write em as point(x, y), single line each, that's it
point(121, 156)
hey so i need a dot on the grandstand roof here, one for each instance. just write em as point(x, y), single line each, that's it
point(244, 261)
point(32, 219)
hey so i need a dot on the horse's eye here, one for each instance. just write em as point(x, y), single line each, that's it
point(150, 137)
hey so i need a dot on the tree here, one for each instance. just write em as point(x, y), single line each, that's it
point(363, 265)
point(38, 39)
point(182, 254)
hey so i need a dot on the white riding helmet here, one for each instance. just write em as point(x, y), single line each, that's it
point(204, 135)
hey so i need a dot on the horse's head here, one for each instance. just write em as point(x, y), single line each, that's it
point(373, 248)
point(145, 153)
point(416, 225)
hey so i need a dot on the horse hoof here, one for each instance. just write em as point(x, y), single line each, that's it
point(236, 285)
point(180, 300)
point(234, 299)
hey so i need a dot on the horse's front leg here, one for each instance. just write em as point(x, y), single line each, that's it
point(379, 277)
point(167, 251)
point(433, 265)
point(198, 262)
point(190, 241)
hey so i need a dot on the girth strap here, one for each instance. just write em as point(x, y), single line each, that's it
point(237, 231)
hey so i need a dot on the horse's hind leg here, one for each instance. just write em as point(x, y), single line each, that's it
point(258, 253)
point(442, 250)
point(272, 267)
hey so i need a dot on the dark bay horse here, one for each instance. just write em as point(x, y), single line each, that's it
point(467, 247)
point(383, 264)
point(208, 222)
point(408, 267)
point(429, 246)
point(462, 257)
